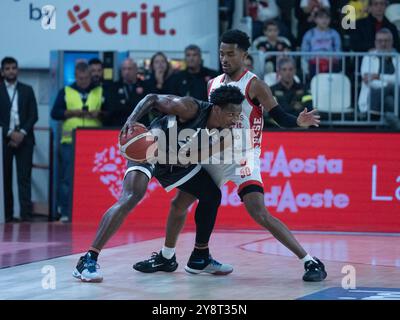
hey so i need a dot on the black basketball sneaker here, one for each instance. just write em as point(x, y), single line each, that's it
point(314, 271)
point(156, 263)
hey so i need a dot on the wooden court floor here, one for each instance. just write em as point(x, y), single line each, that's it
point(37, 267)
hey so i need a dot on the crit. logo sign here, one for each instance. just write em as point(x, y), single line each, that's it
point(78, 19)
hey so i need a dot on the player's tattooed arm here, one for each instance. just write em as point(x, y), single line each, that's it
point(185, 108)
point(142, 108)
point(149, 102)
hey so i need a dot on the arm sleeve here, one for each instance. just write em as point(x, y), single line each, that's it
point(283, 118)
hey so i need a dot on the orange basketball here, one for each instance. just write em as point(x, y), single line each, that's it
point(135, 145)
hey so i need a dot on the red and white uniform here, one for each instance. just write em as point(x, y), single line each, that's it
point(248, 172)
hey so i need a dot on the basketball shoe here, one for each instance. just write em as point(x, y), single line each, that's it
point(314, 271)
point(157, 262)
point(198, 265)
point(86, 269)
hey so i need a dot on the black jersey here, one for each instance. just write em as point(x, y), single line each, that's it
point(177, 133)
point(165, 122)
point(175, 174)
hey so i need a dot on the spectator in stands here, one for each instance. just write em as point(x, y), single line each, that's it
point(249, 62)
point(77, 105)
point(123, 97)
point(289, 93)
point(363, 36)
point(158, 81)
point(18, 115)
point(193, 80)
point(270, 42)
point(322, 38)
point(306, 11)
point(381, 78)
point(96, 72)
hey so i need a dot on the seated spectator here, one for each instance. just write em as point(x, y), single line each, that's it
point(192, 81)
point(271, 42)
point(289, 93)
point(380, 75)
point(322, 38)
point(160, 72)
point(363, 36)
point(306, 11)
point(124, 96)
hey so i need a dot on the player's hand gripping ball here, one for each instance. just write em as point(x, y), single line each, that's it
point(136, 143)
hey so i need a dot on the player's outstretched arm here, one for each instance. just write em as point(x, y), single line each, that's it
point(260, 91)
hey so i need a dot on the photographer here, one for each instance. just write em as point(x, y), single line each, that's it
point(77, 105)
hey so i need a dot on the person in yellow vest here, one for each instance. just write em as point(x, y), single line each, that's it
point(77, 105)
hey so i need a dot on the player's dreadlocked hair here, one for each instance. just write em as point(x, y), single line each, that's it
point(236, 37)
point(225, 95)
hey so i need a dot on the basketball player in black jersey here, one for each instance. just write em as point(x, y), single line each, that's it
point(223, 111)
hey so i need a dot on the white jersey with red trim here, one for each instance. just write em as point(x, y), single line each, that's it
point(252, 115)
point(248, 171)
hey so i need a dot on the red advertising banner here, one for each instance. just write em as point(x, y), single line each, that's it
point(312, 181)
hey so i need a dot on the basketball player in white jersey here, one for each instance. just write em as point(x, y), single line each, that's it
point(247, 176)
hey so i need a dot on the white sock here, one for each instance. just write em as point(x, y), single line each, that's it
point(308, 258)
point(167, 253)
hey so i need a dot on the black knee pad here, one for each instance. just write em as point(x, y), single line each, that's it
point(249, 189)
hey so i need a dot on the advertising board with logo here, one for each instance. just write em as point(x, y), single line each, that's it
point(312, 181)
point(152, 25)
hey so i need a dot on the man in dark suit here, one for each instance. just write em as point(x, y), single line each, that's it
point(18, 114)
